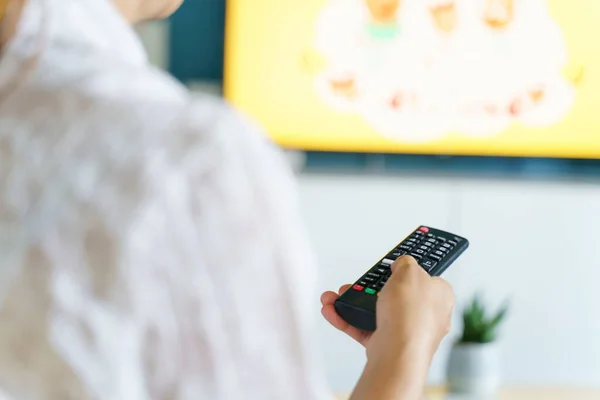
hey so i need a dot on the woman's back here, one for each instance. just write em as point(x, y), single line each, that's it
point(148, 241)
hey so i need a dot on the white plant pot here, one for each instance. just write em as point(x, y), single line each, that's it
point(474, 369)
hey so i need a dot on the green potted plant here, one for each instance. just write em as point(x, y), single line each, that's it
point(474, 366)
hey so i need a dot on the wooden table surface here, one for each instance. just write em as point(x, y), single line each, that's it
point(520, 394)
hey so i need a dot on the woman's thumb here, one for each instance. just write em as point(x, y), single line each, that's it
point(401, 263)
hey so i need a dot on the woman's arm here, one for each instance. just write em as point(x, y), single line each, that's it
point(400, 375)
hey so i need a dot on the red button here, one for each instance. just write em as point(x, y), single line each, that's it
point(424, 229)
point(358, 288)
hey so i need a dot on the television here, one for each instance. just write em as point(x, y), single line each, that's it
point(516, 78)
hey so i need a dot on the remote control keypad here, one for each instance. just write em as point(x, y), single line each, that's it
point(426, 248)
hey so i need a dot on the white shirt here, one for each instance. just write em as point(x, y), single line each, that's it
point(150, 242)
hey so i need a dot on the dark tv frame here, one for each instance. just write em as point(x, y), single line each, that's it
point(453, 165)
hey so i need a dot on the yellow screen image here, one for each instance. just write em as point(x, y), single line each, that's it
point(456, 77)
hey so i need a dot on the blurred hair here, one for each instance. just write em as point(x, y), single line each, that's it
point(10, 12)
point(10, 15)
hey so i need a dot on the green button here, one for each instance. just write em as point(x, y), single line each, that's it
point(370, 291)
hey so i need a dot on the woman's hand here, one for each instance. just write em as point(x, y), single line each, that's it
point(414, 312)
point(412, 287)
point(328, 311)
point(413, 308)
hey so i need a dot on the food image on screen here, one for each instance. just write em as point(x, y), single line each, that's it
point(419, 70)
point(509, 78)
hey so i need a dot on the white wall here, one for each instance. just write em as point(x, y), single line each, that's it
point(155, 38)
point(537, 242)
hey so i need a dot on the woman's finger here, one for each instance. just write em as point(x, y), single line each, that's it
point(328, 298)
point(343, 288)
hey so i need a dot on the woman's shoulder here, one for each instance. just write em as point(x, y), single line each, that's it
point(127, 152)
point(170, 112)
point(145, 105)
point(119, 121)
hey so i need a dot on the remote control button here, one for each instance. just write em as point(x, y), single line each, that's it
point(358, 288)
point(362, 282)
point(369, 279)
point(424, 229)
point(421, 252)
point(439, 253)
point(387, 261)
point(428, 244)
point(441, 239)
point(370, 291)
point(435, 257)
point(448, 246)
point(430, 235)
point(445, 250)
point(374, 275)
point(452, 242)
point(428, 264)
point(397, 254)
point(382, 271)
point(416, 256)
point(405, 247)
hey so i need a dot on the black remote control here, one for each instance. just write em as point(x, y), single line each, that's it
point(435, 250)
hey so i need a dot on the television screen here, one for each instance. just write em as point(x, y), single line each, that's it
point(452, 77)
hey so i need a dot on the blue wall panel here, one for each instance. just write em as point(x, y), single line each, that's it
point(490, 167)
point(196, 40)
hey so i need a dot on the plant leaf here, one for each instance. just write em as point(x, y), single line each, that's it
point(473, 321)
point(499, 316)
point(478, 310)
point(477, 328)
point(488, 336)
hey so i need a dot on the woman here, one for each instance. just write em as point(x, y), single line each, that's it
point(150, 244)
